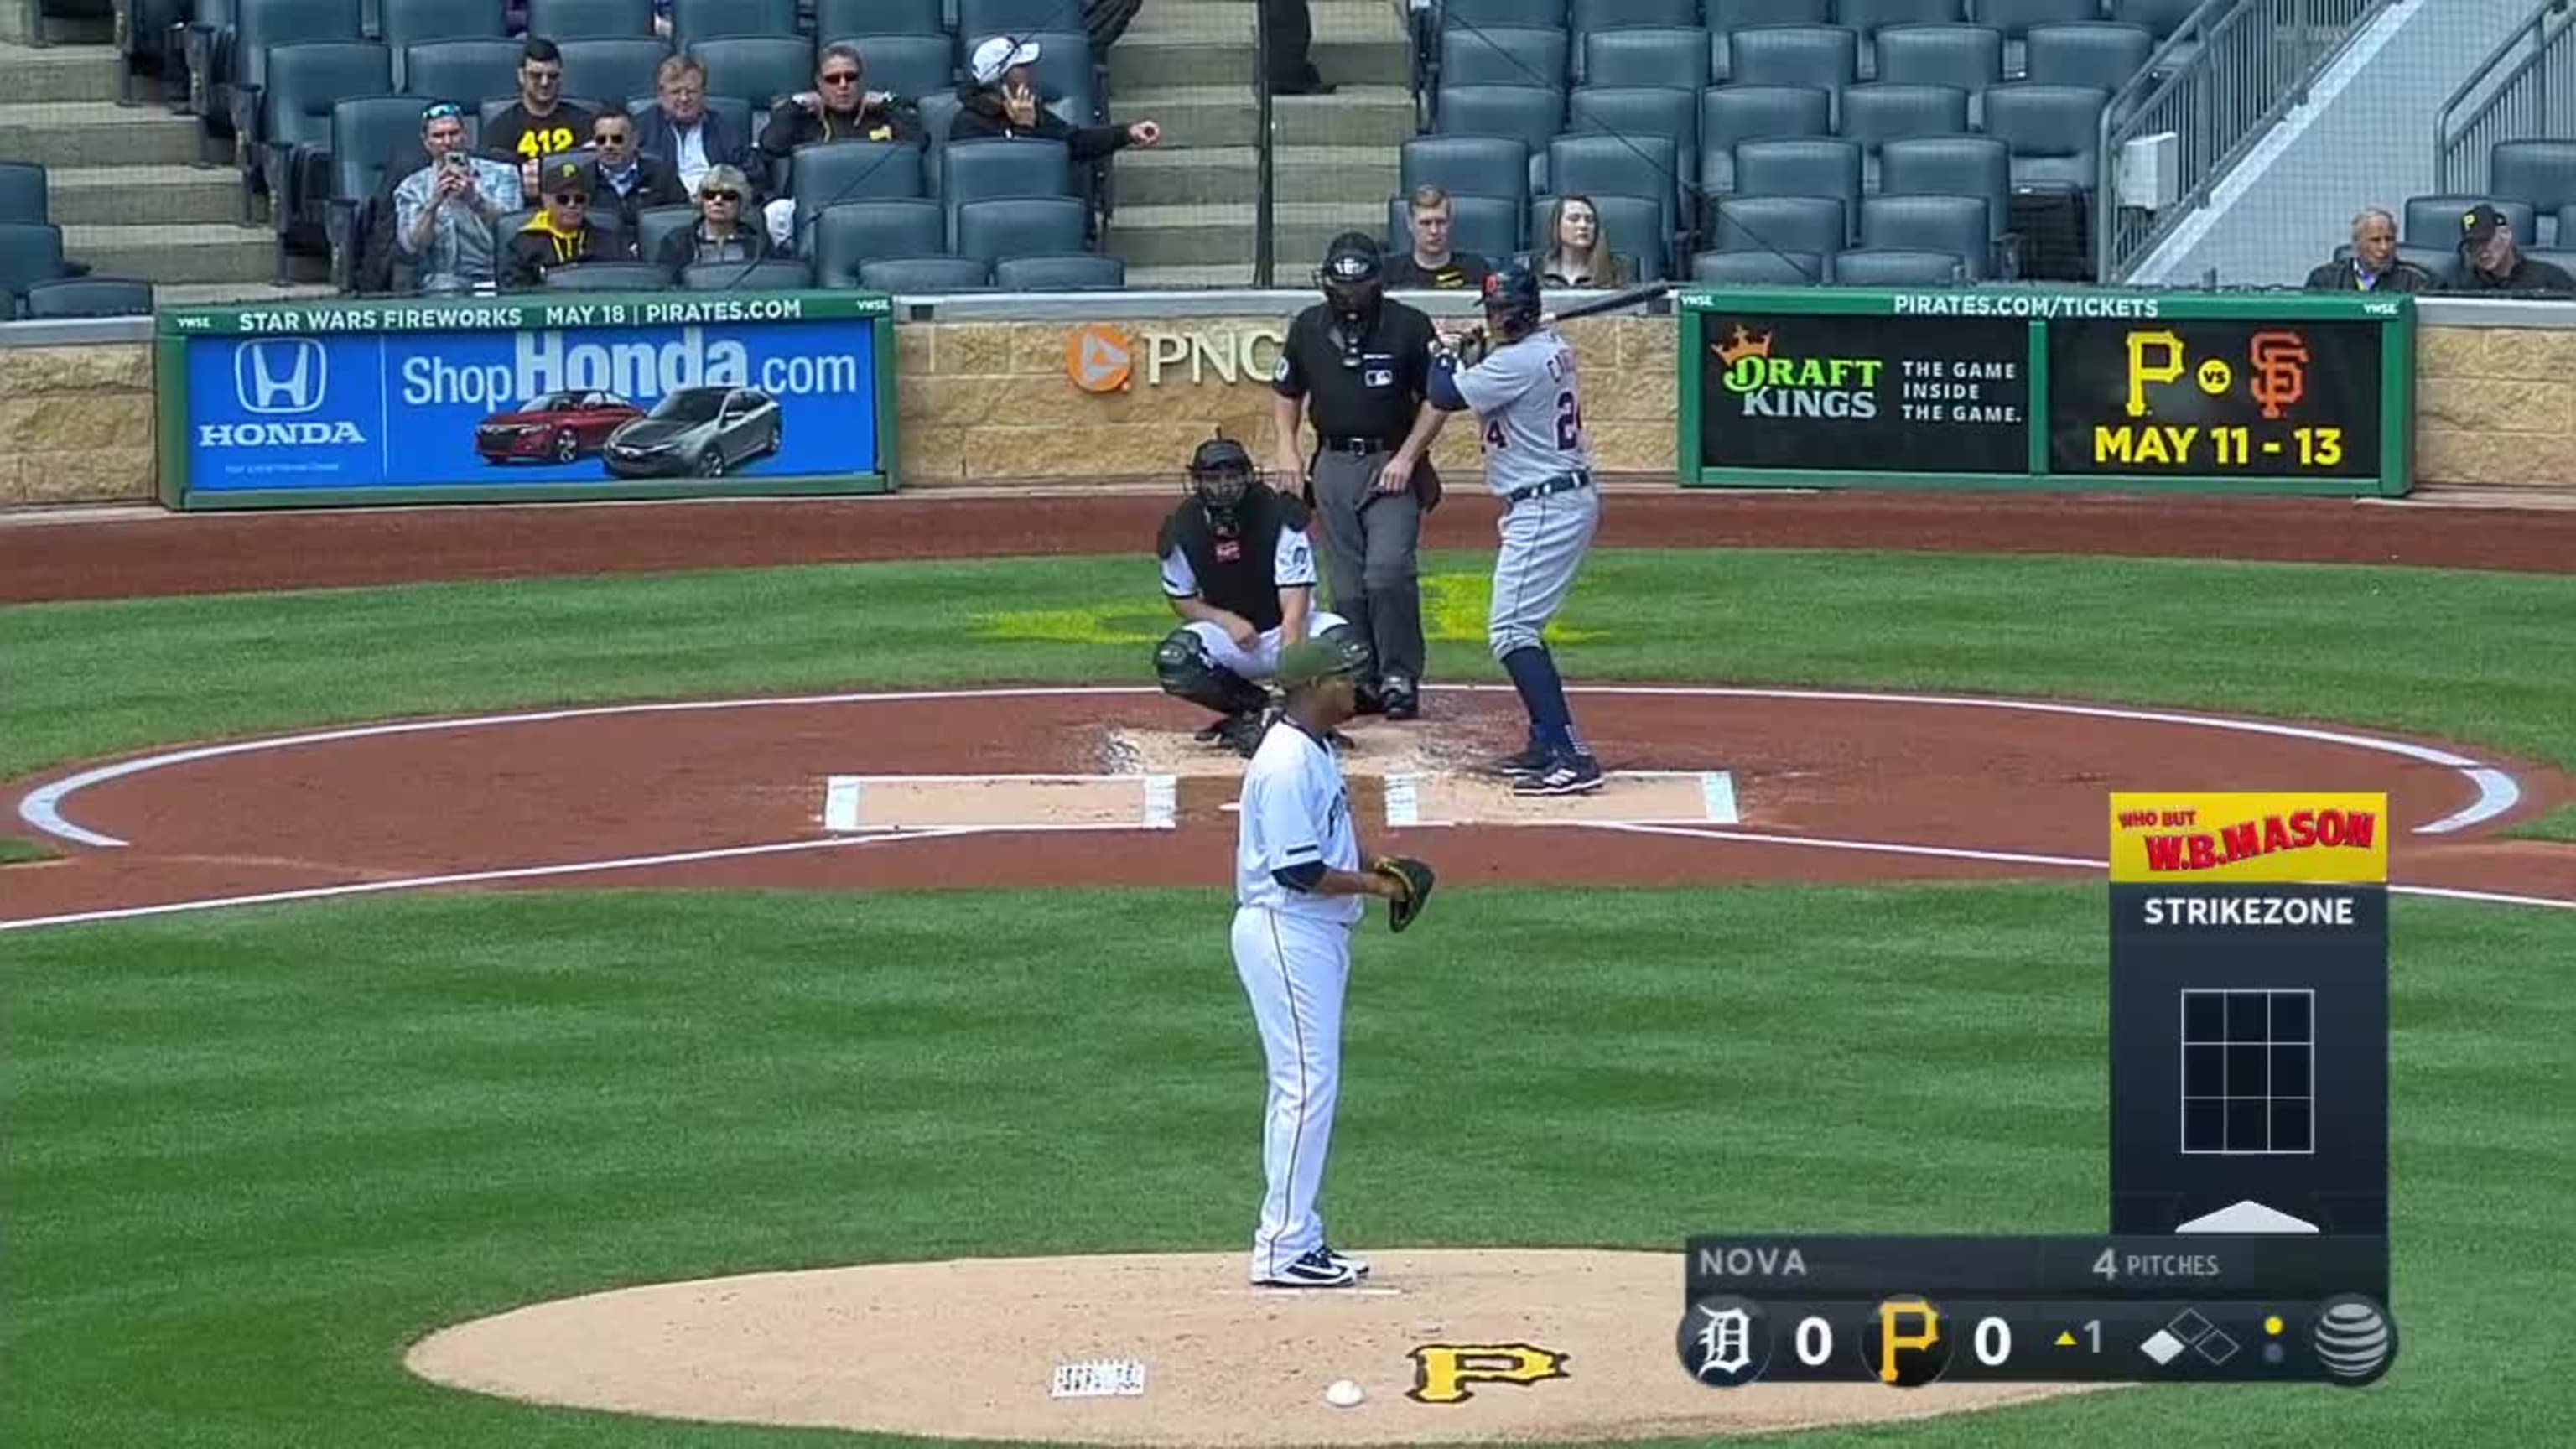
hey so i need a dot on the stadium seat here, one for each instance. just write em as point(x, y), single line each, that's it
point(827, 173)
point(1602, 166)
point(1019, 226)
point(979, 170)
point(1877, 112)
point(30, 252)
point(1011, 17)
point(1485, 226)
point(777, 274)
point(1970, 57)
point(920, 276)
point(849, 236)
point(1503, 55)
point(1486, 14)
point(367, 133)
point(606, 276)
point(402, 24)
point(2090, 53)
point(1732, 113)
point(258, 27)
point(757, 68)
point(2542, 173)
point(1819, 167)
point(1955, 224)
point(2434, 221)
point(1637, 227)
point(22, 192)
point(696, 20)
point(1813, 224)
point(1866, 18)
point(468, 72)
point(849, 19)
point(654, 225)
point(916, 67)
point(2566, 235)
point(1531, 115)
point(1678, 58)
point(612, 70)
point(562, 20)
point(1062, 272)
point(2442, 262)
point(1758, 269)
point(1587, 15)
point(1825, 56)
point(2053, 131)
point(88, 297)
point(1465, 165)
point(305, 83)
point(1979, 166)
point(1890, 267)
point(2016, 18)
point(1642, 111)
point(1725, 17)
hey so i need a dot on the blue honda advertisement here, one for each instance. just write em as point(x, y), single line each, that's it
point(522, 398)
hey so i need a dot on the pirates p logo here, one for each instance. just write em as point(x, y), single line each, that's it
point(1443, 1372)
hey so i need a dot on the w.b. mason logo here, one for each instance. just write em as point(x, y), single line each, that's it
point(280, 375)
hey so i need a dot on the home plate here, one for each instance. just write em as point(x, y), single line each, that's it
point(1626, 797)
point(1002, 802)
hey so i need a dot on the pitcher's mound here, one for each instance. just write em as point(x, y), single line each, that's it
point(1040, 1349)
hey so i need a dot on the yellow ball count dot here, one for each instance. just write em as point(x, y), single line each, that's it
point(2272, 1325)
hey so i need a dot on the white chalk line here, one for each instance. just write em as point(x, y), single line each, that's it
point(1157, 800)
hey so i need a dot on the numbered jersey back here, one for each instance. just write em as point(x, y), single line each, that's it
point(1531, 406)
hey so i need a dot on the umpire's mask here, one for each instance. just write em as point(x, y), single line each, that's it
point(1353, 278)
point(1220, 477)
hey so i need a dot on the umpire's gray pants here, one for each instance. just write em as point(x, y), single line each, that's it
point(1370, 539)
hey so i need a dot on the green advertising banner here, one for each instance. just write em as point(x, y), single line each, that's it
point(517, 399)
point(1825, 388)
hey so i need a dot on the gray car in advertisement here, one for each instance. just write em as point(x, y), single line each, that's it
point(696, 432)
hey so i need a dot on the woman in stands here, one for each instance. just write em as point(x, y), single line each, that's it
point(720, 234)
point(1577, 255)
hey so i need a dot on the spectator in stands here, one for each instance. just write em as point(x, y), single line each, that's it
point(563, 233)
point(839, 108)
point(721, 234)
point(629, 182)
point(1578, 255)
point(1292, 38)
point(1003, 102)
point(682, 133)
point(2490, 262)
point(2374, 265)
point(1432, 266)
point(444, 213)
point(540, 122)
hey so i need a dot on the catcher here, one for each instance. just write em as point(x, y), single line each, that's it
point(1301, 885)
point(1239, 569)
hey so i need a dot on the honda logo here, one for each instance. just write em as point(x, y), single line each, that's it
point(280, 375)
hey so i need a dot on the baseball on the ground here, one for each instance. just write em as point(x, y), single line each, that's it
point(1344, 1393)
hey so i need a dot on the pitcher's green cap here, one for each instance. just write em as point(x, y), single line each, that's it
point(1309, 660)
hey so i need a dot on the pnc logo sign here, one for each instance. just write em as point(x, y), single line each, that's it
point(280, 376)
point(1099, 357)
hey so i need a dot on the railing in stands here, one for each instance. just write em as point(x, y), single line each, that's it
point(1265, 200)
point(2525, 88)
point(2217, 84)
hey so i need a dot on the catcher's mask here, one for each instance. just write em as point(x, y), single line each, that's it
point(1512, 302)
point(1353, 278)
point(1221, 474)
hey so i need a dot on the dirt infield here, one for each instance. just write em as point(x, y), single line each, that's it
point(972, 1349)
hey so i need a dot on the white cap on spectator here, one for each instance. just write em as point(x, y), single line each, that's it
point(999, 54)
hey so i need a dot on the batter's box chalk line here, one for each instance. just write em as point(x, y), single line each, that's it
point(1626, 797)
point(868, 803)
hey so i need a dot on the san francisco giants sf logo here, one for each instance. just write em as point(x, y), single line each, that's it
point(2280, 370)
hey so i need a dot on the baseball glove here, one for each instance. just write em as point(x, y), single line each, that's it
point(1417, 879)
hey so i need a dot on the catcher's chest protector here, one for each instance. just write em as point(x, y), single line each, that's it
point(1237, 574)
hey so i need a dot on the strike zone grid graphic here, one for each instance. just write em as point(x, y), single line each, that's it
point(2249, 1078)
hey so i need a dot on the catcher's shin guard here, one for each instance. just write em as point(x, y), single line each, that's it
point(1183, 668)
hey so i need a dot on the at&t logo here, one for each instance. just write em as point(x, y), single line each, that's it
point(277, 378)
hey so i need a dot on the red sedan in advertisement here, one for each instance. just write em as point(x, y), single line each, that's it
point(555, 428)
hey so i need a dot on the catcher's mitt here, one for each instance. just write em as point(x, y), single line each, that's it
point(1418, 880)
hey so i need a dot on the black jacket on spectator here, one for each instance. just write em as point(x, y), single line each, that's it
point(2526, 276)
point(684, 249)
point(657, 138)
point(791, 125)
point(513, 137)
point(653, 184)
point(983, 118)
point(2344, 276)
point(538, 249)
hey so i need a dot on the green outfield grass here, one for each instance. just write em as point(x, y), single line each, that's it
point(2558, 824)
point(16, 850)
point(248, 1155)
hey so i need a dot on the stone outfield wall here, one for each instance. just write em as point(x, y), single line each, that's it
point(985, 401)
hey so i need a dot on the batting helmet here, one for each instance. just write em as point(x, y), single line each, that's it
point(1221, 473)
point(1512, 301)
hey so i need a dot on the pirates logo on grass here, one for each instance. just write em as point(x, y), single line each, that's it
point(1444, 1372)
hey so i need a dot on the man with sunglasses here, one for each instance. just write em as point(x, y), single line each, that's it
point(628, 182)
point(444, 212)
point(839, 108)
point(562, 234)
point(540, 123)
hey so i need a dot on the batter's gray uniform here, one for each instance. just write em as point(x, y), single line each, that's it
point(1529, 413)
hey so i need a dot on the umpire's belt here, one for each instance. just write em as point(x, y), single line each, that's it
point(1359, 445)
point(1561, 483)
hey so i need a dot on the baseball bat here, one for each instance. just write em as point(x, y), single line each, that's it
point(1612, 303)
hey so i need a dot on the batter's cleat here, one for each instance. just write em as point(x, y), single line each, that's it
point(1356, 1265)
point(1568, 775)
point(1315, 1270)
point(1529, 764)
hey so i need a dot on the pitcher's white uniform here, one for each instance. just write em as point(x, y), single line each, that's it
point(1293, 951)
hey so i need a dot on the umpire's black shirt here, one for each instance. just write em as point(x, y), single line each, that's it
point(1373, 386)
